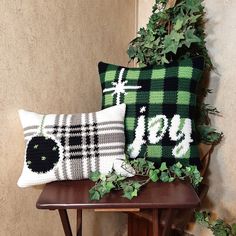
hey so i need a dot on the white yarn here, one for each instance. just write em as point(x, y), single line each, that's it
point(155, 127)
point(135, 147)
point(176, 134)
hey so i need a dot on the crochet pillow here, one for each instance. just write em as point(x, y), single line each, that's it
point(69, 147)
point(161, 104)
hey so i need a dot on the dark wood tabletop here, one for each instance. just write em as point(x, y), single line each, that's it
point(75, 195)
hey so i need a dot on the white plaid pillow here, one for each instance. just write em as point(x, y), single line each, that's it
point(70, 146)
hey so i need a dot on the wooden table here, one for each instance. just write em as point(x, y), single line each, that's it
point(155, 196)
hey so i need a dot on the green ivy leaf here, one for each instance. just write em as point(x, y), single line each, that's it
point(94, 195)
point(193, 5)
point(153, 175)
point(171, 179)
point(157, 41)
point(109, 186)
point(164, 177)
point(102, 177)
point(151, 165)
point(128, 195)
point(163, 166)
point(170, 45)
point(194, 18)
point(172, 41)
point(127, 187)
point(177, 36)
point(209, 135)
point(131, 52)
point(95, 176)
point(134, 193)
point(136, 185)
point(150, 37)
point(194, 175)
point(179, 165)
point(102, 189)
point(178, 25)
point(130, 189)
point(177, 169)
point(190, 38)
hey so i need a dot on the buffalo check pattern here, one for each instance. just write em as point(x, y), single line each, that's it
point(70, 146)
point(161, 106)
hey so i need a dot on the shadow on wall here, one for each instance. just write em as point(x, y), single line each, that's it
point(214, 85)
point(208, 201)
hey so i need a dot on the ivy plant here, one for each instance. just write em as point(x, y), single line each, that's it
point(176, 30)
point(146, 171)
point(218, 227)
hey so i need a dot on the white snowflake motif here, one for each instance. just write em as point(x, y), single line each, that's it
point(120, 87)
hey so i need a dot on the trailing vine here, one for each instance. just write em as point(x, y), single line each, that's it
point(218, 226)
point(147, 172)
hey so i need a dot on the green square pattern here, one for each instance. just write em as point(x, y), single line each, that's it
point(162, 93)
point(130, 123)
point(185, 72)
point(133, 74)
point(156, 97)
point(108, 100)
point(154, 151)
point(158, 73)
point(183, 97)
point(130, 98)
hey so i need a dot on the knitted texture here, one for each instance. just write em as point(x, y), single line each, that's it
point(161, 104)
point(69, 147)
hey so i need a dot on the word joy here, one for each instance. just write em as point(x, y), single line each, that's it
point(179, 131)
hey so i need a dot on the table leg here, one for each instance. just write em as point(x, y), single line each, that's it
point(168, 222)
point(79, 223)
point(65, 222)
point(155, 223)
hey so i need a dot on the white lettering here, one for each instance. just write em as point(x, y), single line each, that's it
point(180, 130)
point(135, 148)
point(157, 127)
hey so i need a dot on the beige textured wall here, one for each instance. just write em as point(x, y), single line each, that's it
point(221, 31)
point(49, 52)
point(221, 38)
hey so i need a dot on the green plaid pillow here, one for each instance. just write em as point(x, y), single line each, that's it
point(161, 104)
